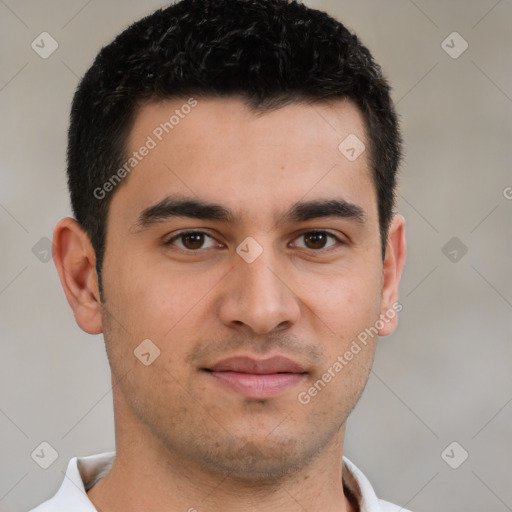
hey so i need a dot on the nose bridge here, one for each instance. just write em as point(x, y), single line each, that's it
point(261, 275)
point(259, 296)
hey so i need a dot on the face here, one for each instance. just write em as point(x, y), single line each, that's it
point(246, 248)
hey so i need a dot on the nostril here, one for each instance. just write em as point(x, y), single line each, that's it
point(285, 324)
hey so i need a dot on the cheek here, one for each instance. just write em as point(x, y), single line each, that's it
point(346, 302)
point(148, 303)
point(161, 302)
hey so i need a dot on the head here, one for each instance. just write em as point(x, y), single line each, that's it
point(241, 106)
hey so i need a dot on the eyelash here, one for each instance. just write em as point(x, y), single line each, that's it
point(191, 232)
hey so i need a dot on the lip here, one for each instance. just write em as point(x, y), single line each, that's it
point(258, 378)
point(276, 364)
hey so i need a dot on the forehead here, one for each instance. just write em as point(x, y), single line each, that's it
point(254, 163)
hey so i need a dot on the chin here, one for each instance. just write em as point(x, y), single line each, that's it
point(262, 463)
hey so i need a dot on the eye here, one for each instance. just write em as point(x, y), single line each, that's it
point(317, 240)
point(192, 241)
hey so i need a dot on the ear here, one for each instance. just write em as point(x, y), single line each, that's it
point(391, 273)
point(75, 260)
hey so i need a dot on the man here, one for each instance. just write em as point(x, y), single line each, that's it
point(232, 170)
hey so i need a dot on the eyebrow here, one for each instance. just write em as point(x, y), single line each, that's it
point(302, 211)
point(316, 209)
point(177, 206)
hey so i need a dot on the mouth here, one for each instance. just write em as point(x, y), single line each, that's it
point(257, 378)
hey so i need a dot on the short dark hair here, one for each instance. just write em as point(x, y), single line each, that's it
point(270, 53)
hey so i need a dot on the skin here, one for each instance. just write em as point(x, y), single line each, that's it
point(183, 440)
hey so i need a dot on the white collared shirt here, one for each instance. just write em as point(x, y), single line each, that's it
point(84, 472)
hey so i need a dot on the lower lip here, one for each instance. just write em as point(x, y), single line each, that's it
point(259, 386)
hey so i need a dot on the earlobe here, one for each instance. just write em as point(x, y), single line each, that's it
point(391, 274)
point(75, 260)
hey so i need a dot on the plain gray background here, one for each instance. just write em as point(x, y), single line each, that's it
point(445, 375)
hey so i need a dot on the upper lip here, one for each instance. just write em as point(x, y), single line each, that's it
point(240, 364)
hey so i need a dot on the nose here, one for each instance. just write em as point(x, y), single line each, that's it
point(259, 296)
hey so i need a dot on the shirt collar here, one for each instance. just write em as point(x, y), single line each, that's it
point(81, 474)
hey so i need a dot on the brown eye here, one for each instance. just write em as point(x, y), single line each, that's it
point(192, 241)
point(317, 240)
